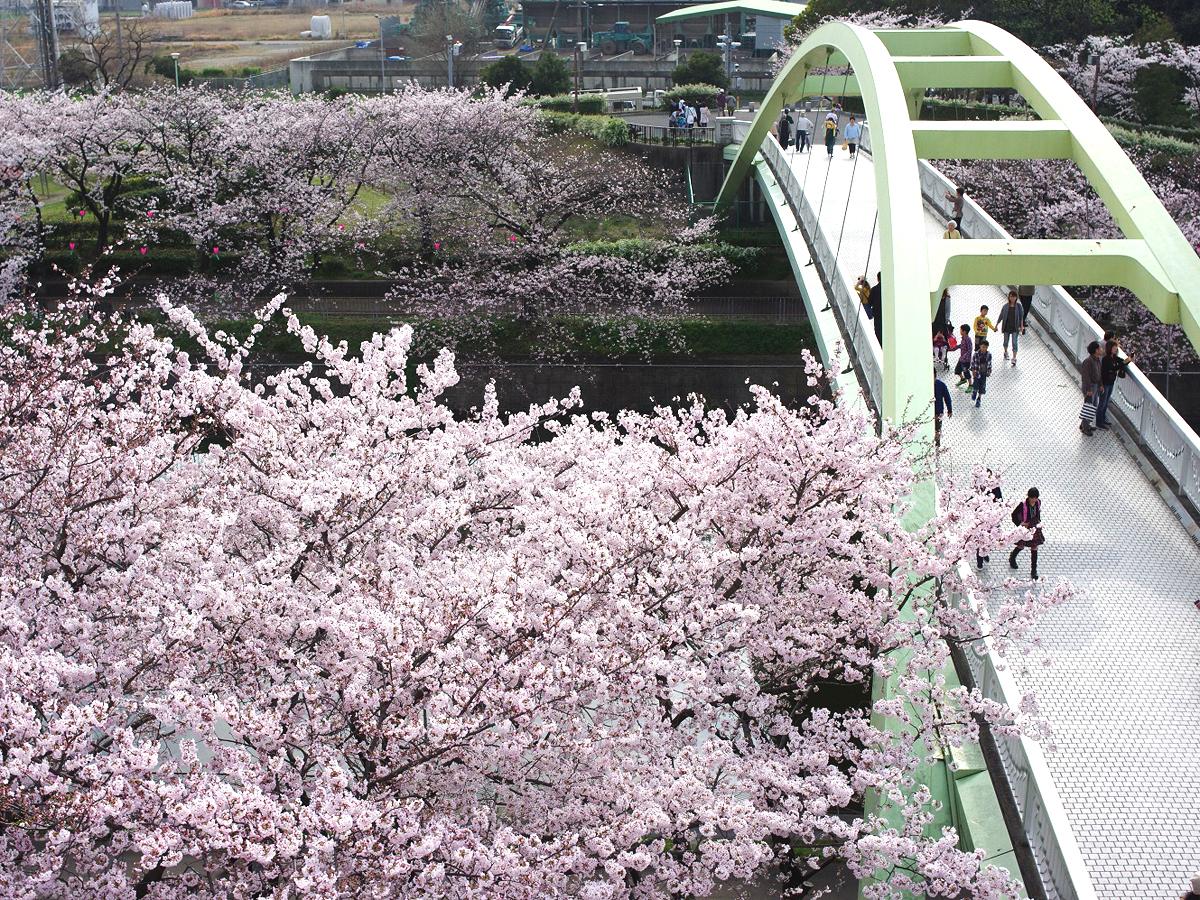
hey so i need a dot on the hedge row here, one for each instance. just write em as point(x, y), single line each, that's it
point(589, 104)
point(695, 94)
point(588, 336)
point(608, 130)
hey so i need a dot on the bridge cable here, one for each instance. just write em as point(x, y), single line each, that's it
point(829, 165)
point(824, 75)
point(866, 268)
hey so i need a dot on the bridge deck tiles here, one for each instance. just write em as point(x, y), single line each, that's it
point(1123, 692)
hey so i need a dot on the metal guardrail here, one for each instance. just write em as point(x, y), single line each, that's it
point(1160, 431)
point(1060, 864)
point(857, 328)
point(671, 136)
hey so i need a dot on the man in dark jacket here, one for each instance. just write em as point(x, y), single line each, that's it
point(785, 129)
point(876, 307)
point(1091, 378)
point(941, 404)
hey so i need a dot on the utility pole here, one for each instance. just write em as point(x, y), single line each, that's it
point(382, 78)
point(48, 44)
point(452, 49)
point(580, 46)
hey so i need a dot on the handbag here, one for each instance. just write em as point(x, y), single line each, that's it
point(1088, 412)
point(952, 343)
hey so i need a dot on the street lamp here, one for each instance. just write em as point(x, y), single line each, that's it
point(453, 48)
point(175, 57)
point(382, 54)
point(678, 43)
point(580, 47)
point(728, 45)
point(1094, 60)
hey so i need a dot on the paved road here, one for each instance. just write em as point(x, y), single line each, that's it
point(1123, 693)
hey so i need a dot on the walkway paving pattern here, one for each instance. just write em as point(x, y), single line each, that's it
point(1123, 693)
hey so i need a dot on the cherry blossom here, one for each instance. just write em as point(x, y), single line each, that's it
point(314, 636)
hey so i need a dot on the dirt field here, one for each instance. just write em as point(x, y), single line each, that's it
point(352, 21)
point(232, 39)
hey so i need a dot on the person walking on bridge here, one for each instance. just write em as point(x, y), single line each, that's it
point(982, 324)
point(853, 136)
point(942, 404)
point(831, 133)
point(804, 130)
point(876, 308)
point(981, 368)
point(784, 128)
point(1012, 324)
point(1091, 378)
point(1028, 514)
point(965, 351)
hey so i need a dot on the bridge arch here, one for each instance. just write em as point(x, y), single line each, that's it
point(892, 70)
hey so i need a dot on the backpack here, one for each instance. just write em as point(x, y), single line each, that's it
point(1017, 518)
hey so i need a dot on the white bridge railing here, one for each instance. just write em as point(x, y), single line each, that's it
point(858, 330)
point(1060, 864)
point(1160, 431)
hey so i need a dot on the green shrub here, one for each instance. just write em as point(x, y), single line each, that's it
point(608, 130)
point(694, 94)
point(508, 70)
point(212, 72)
point(701, 67)
point(589, 104)
point(550, 75)
point(1154, 143)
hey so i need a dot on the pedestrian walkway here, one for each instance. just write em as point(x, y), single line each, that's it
point(1123, 693)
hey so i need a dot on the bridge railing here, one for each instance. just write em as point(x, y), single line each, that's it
point(1161, 433)
point(1061, 867)
point(671, 135)
point(838, 280)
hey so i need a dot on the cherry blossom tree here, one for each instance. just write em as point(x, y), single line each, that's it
point(314, 637)
point(1120, 61)
point(273, 181)
point(492, 198)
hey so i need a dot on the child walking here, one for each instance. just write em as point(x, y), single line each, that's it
point(981, 368)
point(963, 367)
point(939, 351)
point(982, 324)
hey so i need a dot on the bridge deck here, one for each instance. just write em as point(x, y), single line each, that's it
point(1123, 693)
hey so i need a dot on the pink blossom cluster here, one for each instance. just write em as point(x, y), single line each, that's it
point(460, 198)
point(315, 637)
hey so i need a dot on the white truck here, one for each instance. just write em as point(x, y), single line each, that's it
point(507, 36)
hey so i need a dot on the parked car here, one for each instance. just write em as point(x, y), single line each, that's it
point(274, 3)
point(240, 4)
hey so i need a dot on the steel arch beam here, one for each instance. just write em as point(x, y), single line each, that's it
point(892, 69)
point(1133, 205)
point(903, 247)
